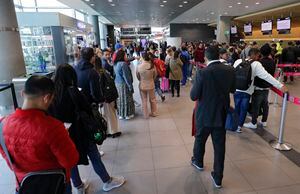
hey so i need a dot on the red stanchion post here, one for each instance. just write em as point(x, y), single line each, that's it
point(280, 144)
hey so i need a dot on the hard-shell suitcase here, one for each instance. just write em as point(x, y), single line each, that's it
point(164, 84)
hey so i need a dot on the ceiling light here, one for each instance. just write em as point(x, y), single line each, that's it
point(246, 6)
point(180, 5)
point(185, 2)
point(110, 1)
point(230, 6)
point(92, 4)
point(165, 1)
point(226, 13)
point(87, 0)
point(113, 4)
point(212, 13)
point(257, 3)
point(239, 3)
point(162, 5)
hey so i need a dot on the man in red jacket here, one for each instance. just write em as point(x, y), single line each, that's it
point(35, 140)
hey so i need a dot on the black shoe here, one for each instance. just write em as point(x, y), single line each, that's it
point(172, 95)
point(197, 165)
point(178, 95)
point(118, 134)
point(217, 181)
point(163, 98)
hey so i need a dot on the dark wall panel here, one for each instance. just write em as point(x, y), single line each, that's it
point(192, 32)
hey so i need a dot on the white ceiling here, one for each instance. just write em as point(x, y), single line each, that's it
point(208, 10)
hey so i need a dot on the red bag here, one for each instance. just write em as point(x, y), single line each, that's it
point(164, 84)
point(160, 67)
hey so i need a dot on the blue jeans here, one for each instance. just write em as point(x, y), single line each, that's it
point(184, 74)
point(99, 168)
point(157, 87)
point(241, 102)
point(190, 70)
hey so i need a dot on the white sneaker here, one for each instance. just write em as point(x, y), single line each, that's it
point(250, 125)
point(239, 130)
point(114, 183)
point(83, 189)
point(264, 124)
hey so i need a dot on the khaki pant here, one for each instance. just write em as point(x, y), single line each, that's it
point(110, 114)
point(152, 100)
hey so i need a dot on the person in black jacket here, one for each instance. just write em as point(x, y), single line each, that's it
point(88, 78)
point(261, 93)
point(289, 57)
point(68, 101)
point(212, 93)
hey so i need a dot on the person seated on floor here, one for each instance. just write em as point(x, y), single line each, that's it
point(35, 140)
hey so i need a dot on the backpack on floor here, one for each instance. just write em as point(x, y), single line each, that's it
point(243, 75)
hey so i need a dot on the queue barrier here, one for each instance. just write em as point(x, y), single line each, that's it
point(280, 144)
point(10, 86)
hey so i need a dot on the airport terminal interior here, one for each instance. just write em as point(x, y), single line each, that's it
point(153, 151)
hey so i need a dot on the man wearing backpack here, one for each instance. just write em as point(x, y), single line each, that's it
point(246, 71)
point(34, 140)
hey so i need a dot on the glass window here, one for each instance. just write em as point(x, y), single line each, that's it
point(17, 2)
point(18, 9)
point(28, 3)
point(67, 12)
point(50, 3)
point(29, 9)
point(79, 16)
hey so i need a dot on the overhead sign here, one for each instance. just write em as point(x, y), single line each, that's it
point(144, 30)
point(127, 31)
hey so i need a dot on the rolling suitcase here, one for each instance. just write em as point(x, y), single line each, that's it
point(164, 84)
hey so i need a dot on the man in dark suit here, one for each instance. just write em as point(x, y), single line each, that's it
point(211, 89)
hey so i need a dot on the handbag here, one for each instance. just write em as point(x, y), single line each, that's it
point(93, 122)
point(41, 182)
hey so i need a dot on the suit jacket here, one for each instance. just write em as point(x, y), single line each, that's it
point(211, 89)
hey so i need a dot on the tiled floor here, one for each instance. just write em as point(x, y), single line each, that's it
point(154, 157)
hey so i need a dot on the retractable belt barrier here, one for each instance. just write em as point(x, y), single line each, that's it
point(289, 73)
point(288, 65)
point(292, 99)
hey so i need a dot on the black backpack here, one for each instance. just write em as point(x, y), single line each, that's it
point(243, 75)
point(50, 182)
point(109, 89)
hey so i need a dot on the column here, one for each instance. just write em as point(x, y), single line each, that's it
point(95, 23)
point(59, 45)
point(11, 55)
point(223, 29)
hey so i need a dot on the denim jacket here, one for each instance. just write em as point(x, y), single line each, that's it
point(123, 74)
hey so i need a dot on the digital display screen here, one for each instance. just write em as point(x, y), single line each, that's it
point(284, 24)
point(266, 26)
point(233, 30)
point(248, 28)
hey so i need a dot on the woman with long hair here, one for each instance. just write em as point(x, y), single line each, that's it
point(146, 74)
point(124, 84)
point(67, 102)
point(175, 74)
point(109, 106)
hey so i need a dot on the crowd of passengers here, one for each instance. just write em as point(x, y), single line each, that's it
point(45, 133)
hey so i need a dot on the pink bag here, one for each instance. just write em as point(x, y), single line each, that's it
point(164, 84)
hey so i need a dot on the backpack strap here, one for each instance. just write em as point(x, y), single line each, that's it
point(2, 143)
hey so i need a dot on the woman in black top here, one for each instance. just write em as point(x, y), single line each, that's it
point(68, 100)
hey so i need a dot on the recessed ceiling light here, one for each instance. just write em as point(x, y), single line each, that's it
point(165, 1)
point(212, 13)
point(92, 4)
point(239, 3)
point(230, 6)
point(87, 0)
point(162, 5)
point(246, 6)
point(257, 3)
point(110, 1)
point(185, 2)
point(180, 5)
point(225, 13)
point(113, 4)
